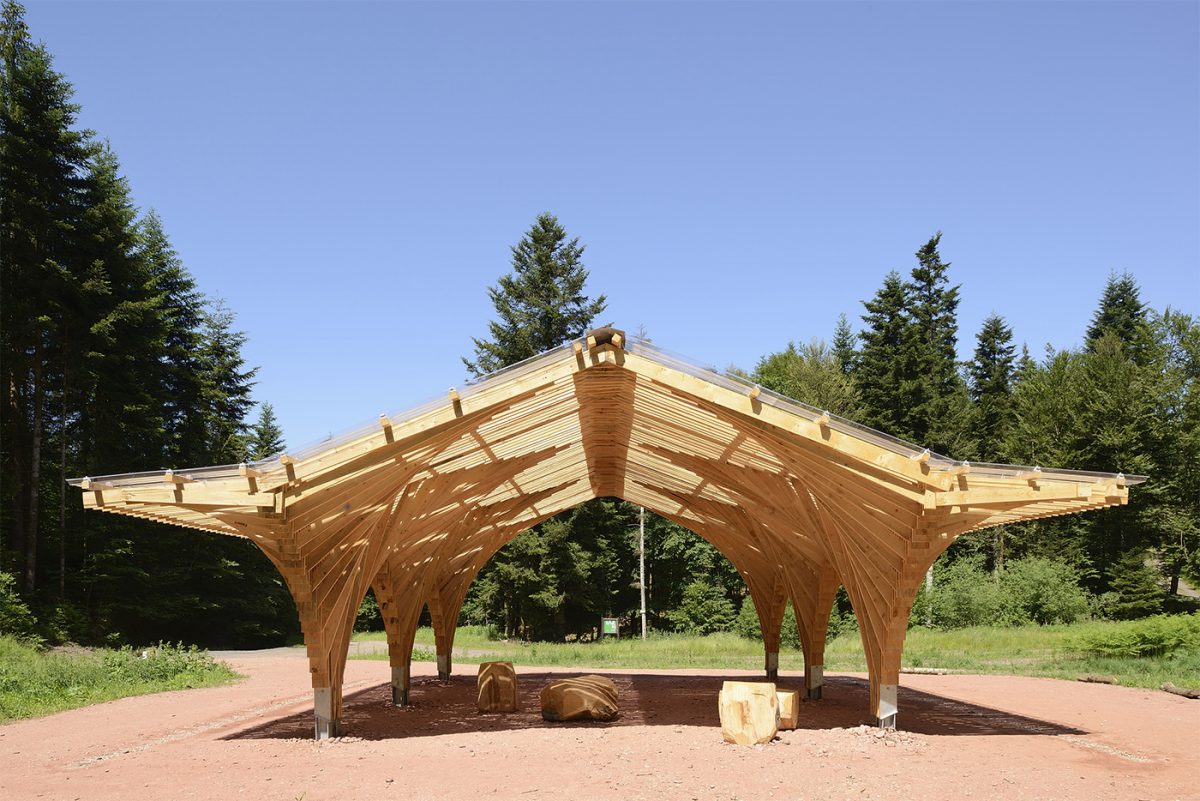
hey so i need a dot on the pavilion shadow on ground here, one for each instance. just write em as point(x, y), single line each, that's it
point(646, 700)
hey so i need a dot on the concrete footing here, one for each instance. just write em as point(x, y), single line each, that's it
point(326, 724)
point(814, 679)
point(886, 715)
point(443, 663)
point(772, 665)
point(400, 685)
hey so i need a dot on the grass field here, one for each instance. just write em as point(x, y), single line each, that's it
point(1050, 651)
point(34, 682)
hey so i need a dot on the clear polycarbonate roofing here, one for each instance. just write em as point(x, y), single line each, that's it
point(640, 347)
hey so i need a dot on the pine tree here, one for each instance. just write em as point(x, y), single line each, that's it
point(990, 380)
point(107, 366)
point(882, 371)
point(42, 158)
point(227, 385)
point(266, 437)
point(1177, 445)
point(179, 372)
point(940, 413)
point(541, 303)
point(1135, 588)
point(845, 342)
point(1122, 313)
point(990, 384)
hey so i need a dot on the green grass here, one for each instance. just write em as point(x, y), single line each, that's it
point(1050, 651)
point(34, 682)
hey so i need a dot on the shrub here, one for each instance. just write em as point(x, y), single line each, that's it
point(704, 609)
point(1151, 636)
point(369, 617)
point(922, 608)
point(1039, 590)
point(964, 594)
point(746, 624)
point(15, 618)
point(34, 682)
point(64, 622)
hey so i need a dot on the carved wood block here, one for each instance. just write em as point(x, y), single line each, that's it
point(580, 698)
point(749, 712)
point(497, 684)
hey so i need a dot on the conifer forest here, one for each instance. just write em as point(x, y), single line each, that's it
point(115, 358)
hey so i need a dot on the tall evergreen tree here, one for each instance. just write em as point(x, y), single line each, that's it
point(990, 383)
point(940, 415)
point(882, 373)
point(541, 303)
point(907, 373)
point(266, 437)
point(1177, 446)
point(109, 364)
point(1122, 313)
point(42, 159)
point(990, 377)
point(845, 343)
point(227, 385)
point(180, 375)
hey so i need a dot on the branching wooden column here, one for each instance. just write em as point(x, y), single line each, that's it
point(882, 585)
point(327, 591)
point(445, 623)
point(770, 597)
point(397, 592)
point(813, 602)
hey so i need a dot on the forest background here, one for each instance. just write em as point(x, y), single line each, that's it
point(114, 359)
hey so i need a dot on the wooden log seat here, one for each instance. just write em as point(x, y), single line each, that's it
point(580, 698)
point(497, 684)
point(749, 712)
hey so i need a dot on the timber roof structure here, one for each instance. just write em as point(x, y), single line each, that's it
point(415, 503)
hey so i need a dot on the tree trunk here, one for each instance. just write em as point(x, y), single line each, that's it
point(62, 495)
point(35, 473)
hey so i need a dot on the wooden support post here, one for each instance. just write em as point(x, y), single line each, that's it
point(813, 604)
point(443, 631)
point(883, 624)
point(400, 607)
point(327, 639)
point(770, 602)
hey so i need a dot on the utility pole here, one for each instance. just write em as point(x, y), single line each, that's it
point(642, 563)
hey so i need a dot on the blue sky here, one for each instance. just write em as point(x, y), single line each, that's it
point(350, 176)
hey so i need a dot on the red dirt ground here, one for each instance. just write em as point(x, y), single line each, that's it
point(962, 737)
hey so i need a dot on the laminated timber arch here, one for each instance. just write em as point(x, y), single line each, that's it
point(414, 505)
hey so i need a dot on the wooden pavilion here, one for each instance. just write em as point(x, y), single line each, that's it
point(415, 504)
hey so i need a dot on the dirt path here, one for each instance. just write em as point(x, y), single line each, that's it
point(964, 737)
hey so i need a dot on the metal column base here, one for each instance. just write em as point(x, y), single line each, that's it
point(814, 679)
point(886, 714)
point(443, 663)
point(772, 665)
point(326, 725)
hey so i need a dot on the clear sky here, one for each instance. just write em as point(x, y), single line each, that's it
point(350, 176)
